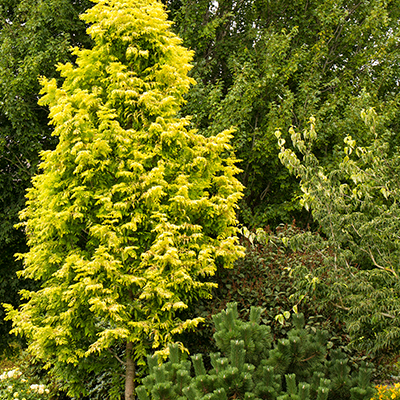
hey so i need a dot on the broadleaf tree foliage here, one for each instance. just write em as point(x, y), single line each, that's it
point(262, 65)
point(132, 211)
point(356, 204)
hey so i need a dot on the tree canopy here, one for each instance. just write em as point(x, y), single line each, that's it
point(264, 65)
point(132, 211)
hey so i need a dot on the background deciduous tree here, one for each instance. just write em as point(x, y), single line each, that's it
point(356, 204)
point(132, 211)
point(263, 65)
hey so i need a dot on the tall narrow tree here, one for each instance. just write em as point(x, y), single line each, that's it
point(132, 211)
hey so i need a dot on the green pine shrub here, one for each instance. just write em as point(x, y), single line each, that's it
point(251, 365)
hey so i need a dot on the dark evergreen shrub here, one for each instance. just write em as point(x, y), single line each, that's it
point(250, 365)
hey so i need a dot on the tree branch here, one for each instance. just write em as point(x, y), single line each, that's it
point(114, 355)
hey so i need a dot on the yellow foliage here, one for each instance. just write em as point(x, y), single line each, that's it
point(386, 392)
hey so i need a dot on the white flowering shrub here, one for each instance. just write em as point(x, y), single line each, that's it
point(14, 386)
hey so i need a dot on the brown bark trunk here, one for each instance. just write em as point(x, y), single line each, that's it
point(130, 373)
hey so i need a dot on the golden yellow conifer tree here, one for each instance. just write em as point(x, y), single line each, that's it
point(132, 211)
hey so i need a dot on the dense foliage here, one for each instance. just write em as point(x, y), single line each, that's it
point(132, 211)
point(250, 365)
point(357, 205)
point(263, 65)
point(268, 277)
point(34, 36)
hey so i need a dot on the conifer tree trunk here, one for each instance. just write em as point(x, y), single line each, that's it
point(130, 373)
